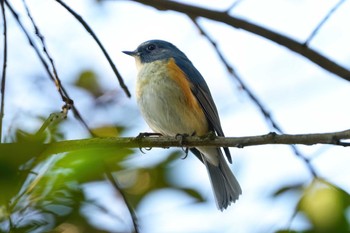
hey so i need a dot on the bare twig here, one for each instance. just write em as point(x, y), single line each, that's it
point(253, 97)
point(3, 82)
point(236, 22)
point(115, 184)
point(64, 95)
point(56, 79)
point(4, 65)
point(91, 32)
point(235, 4)
point(323, 21)
point(240, 81)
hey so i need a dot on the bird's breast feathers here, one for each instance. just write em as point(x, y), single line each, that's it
point(165, 98)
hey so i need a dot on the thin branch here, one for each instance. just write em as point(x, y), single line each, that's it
point(253, 97)
point(323, 21)
point(236, 22)
point(61, 90)
point(307, 161)
point(3, 83)
point(64, 95)
point(4, 65)
point(234, 5)
point(31, 41)
point(335, 138)
point(91, 32)
point(115, 184)
point(240, 81)
point(56, 79)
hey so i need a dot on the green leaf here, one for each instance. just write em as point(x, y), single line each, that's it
point(108, 131)
point(89, 165)
point(88, 81)
point(325, 205)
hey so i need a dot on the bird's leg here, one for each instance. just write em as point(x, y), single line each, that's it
point(143, 135)
point(186, 152)
point(147, 134)
point(181, 137)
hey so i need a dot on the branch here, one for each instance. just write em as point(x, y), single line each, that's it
point(116, 185)
point(232, 71)
point(323, 21)
point(4, 65)
point(91, 32)
point(254, 97)
point(54, 73)
point(235, 22)
point(335, 138)
point(235, 4)
point(63, 93)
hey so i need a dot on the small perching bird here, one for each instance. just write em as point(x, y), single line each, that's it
point(174, 99)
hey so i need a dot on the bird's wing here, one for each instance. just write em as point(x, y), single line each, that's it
point(201, 90)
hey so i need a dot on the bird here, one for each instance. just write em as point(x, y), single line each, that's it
point(174, 99)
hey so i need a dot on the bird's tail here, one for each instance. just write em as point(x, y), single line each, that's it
point(225, 186)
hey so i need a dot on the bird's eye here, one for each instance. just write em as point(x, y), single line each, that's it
point(151, 47)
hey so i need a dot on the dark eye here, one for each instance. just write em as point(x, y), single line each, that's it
point(151, 47)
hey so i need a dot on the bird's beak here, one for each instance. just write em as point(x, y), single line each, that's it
point(131, 53)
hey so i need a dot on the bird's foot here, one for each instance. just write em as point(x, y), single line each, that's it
point(181, 137)
point(143, 135)
point(147, 134)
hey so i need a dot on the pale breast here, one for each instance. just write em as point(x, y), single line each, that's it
point(165, 104)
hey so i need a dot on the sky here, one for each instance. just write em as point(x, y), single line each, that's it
point(302, 97)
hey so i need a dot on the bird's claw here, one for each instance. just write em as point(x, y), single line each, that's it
point(143, 135)
point(146, 134)
point(186, 152)
point(181, 137)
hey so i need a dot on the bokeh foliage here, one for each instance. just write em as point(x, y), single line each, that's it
point(42, 192)
point(324, 205)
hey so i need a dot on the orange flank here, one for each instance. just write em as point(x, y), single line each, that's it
point(182, 81)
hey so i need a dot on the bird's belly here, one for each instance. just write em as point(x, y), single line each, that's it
point(166, 107)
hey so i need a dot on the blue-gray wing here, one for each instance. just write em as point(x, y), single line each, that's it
point(201, 90)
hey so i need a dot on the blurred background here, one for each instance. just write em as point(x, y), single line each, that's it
point(74, 192)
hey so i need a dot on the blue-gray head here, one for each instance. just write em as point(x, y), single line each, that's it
point(154, 50)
